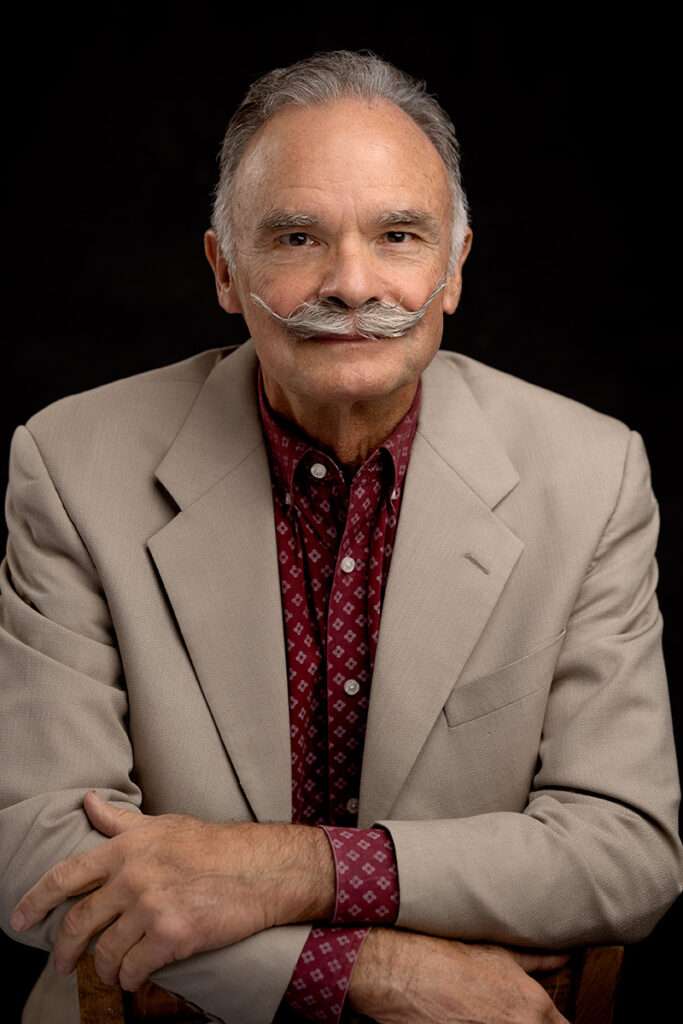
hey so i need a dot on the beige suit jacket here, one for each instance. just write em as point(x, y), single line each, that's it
point(519, 743)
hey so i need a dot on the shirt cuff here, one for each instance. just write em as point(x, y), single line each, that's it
point(367, 889)
point(321, 978)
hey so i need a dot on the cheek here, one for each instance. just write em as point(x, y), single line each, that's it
point(415, 287)
point(282, 292)
point(261, 282)
point(428, 335)
point(280, 283)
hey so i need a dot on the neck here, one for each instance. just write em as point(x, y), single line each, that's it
point(350, 429)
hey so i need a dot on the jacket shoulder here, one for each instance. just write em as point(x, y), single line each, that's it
point(524, 413)
point(560, 447)
point(496, 389)
point(152, 405)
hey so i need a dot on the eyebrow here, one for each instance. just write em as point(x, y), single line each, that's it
point(276, 220)
point(280, 219)
point(412, 216)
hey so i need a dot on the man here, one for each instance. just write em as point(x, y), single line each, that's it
point(367, 630)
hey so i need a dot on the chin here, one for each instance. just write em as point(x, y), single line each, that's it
point(358, 387)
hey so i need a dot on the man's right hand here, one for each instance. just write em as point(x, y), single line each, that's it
point(403, 977)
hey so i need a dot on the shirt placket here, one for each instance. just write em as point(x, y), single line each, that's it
point(347, 650)
point(319, 501)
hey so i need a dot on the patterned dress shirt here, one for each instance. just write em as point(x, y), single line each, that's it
point(335, 530)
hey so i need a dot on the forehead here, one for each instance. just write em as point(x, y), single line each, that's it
point(347, 151)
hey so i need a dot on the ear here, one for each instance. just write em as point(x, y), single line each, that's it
point(226, 288)
point(451, 293)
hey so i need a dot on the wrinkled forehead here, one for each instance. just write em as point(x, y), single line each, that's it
point(368, 150)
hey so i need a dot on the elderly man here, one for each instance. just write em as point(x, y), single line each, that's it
point(368, 631)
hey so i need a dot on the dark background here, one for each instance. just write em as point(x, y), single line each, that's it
point(568, 131)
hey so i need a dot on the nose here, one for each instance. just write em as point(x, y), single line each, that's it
point(350, 279)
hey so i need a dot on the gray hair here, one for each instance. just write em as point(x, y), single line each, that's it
point(319, 79)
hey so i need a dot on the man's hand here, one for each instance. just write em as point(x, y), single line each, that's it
point(172, 885)
point(402, 977)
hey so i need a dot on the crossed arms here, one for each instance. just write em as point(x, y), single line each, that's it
point(594, 857)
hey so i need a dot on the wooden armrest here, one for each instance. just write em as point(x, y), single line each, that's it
point(598, 984)
point(100, 1003)
point(585, 989)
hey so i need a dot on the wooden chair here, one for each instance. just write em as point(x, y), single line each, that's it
point(584, 990)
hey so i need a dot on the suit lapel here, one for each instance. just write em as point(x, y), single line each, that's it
point(451, 560)
point(217, 560)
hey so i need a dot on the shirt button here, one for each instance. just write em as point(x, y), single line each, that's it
point(351, 687)
point(395, 493)
point(348, 564)
point(318, 470)
point(352, 805)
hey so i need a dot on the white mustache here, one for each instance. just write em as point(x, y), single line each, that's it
point(374, 320)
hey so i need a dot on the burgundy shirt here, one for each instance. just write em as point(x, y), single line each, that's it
point(335, 530)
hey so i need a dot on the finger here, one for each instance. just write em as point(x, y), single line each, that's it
point(113, 946)
point(70, 877)
point(84, 919)
point(110, 820)
point(529, 961)
point(551, 962)
point(147, 956)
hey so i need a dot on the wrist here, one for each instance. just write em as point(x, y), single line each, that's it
point(374, 973)
point(307, 887)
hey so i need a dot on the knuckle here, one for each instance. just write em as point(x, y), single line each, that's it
point(174, 937)
point(169, 930)
point(128, 842)
point(58, 876)
point(104, 952)
point(185, 946)
point(72, 925)
point(129, 877)
point(150, 906)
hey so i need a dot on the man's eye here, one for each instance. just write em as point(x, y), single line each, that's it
point(399, 236)
point(294, 238)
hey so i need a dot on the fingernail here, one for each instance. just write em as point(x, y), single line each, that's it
point(18, 921)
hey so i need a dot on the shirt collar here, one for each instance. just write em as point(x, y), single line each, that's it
point(287, 445)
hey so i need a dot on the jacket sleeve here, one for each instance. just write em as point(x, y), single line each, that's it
point(63, 718)
point(595, 855)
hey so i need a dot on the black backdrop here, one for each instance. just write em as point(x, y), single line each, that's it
point(568, 132)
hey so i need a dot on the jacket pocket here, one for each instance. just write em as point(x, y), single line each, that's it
point(505, 685)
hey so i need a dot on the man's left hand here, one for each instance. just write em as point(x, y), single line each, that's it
point(171, 885)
